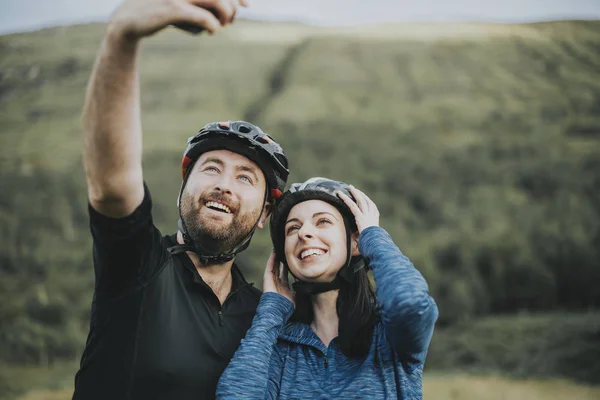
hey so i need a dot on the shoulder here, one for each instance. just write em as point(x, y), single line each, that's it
point(295, 331)
point(253, 292)
point(168, 240)
point(247, 289)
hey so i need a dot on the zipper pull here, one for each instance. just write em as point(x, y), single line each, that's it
point(326, 362)
point(220, 317)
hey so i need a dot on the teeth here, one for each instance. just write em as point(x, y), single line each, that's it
point(311, 252)
point(214, 204)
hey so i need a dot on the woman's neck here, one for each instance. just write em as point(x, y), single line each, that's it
point(325, 322)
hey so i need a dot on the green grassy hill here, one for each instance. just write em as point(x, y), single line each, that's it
point(479, 143)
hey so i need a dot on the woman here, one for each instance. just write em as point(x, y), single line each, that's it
point(342, 341)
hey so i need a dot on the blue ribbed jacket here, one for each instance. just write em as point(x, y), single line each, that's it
point(276, 360)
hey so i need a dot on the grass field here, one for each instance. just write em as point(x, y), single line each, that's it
point(56, 383)
point(511, 357)
point(449, 387)
point(494, 388)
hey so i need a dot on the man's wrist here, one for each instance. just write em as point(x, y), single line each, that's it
point(119, 37)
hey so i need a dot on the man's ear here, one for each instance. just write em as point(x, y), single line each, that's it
point(354, 248)
point(266, 213)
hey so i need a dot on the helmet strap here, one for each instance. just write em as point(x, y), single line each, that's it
point(317, 287)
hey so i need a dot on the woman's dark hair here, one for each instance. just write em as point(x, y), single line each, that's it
point(356, 310)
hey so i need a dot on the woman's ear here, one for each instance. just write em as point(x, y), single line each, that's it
point(354, 248)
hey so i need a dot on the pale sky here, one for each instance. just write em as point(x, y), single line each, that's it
point(21, 15)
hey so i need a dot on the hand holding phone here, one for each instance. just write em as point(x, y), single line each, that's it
point(140, 18)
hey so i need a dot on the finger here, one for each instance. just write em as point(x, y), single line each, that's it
point(221, 9)
point(234, 5)
point(373, 209)
point(369, 203)
point(224, 10)
point(360, 198)
point(350, 203)
point(200, 17)
point(270, 263)
point(281, 276)
point(368, 206)
point(243, 3)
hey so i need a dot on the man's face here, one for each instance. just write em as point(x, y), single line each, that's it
point(223, 199)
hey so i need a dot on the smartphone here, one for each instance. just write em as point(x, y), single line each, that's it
point(190, 28)
point(194, 29)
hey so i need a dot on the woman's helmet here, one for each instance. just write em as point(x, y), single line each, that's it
point(324, 189)
point(248, 140)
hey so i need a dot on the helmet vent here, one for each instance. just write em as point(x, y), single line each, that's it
point(244, 129)
point(282, 160)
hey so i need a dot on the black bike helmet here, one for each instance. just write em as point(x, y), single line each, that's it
point(324, 189)
point(248, 140)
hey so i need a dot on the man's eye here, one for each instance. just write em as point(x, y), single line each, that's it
point(245, 178)
point(211, 169)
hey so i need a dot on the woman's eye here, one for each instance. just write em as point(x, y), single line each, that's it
point(323, 221)
point(291, 229)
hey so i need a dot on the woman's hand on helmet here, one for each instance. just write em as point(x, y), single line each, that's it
point(364, 210)
point(139, 18)
point(275, 279)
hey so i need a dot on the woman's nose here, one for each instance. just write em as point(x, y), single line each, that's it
point(306, 232)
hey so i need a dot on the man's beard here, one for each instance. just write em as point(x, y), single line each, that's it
point(212, 236)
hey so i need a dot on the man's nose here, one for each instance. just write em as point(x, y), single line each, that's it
point(224, 185)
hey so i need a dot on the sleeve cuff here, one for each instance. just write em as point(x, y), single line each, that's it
point(104, 222)
point(368, 236)
point(276, 306)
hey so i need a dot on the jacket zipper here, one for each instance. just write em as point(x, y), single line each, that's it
point(220, 312)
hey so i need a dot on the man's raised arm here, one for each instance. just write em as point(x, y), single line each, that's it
point(111, 117)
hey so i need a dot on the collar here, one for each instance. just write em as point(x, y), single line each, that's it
point(238, 279)
point(300, 333)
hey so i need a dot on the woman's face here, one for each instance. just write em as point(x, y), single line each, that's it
point(315, 241)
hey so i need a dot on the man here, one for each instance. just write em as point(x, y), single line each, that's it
point(168, 312)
